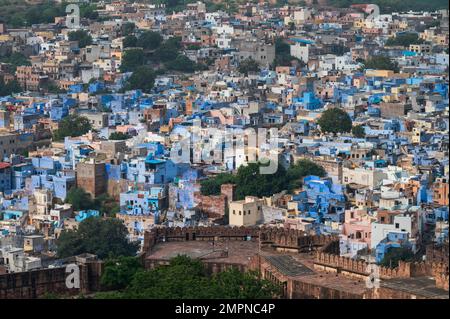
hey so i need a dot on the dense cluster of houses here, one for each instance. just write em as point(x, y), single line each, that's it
point(387, 187)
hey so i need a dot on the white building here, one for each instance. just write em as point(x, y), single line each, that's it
point(380, 231)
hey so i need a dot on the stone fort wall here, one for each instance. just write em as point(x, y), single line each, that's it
point(359, 268)
point(38, 283)
point(278, 238)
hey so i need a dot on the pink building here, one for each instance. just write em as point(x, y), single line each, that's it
point(356, 232)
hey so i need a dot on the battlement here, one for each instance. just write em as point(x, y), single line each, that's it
point(360, 268)
point(278, 238)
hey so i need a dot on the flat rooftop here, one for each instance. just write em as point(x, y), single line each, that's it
point(288, 266)
point(239, 252)
point(421, 286)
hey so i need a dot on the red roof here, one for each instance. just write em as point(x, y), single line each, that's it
point(4, 165)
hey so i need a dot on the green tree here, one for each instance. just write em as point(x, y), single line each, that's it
point(282, 54)
point(211, 186)
point(300, 169)
point(149, 40)
point(16, 59)
point(129, 41)
point(193, 47)
point(291, 26)
point(248, 65)
point(396, 254)
point(281, 47)
point(358, 131)
point(132, 60)
point(234, 284)
point(72, 125)
point(106, 238)
point(249, 181)
point(404, 40)
point(186, 278)
point(380, 62)
point(182, 63)
point(52, 87)
point(142, 78)
point(183, 278)
point(168, 50)
point(83, 37)
point(119, 272)
point(335, 120)
point(119, 136)
point(9, 88)
point(106, 205)
point(89, 11)
point(128, 28)
point(80, 199)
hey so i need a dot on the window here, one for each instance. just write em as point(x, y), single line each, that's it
point(397, 225)
point(234, 212)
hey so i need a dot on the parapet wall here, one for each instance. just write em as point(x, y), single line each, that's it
point(38, 283)
point(359, 268)
point(279, 238)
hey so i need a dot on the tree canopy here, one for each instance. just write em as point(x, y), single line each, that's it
point(132, 59)
point(9, 88)
point(128, 28)
point(380, 62)
point(335, 120)
point(72, 125)
point(283, 55)
point(249, 181)
point(129, 41)
point(106, 238)
point(79, 198)
point(248, 65)
point(143, 78)
point(186, 278)
point(119, 136)
point(149, 40)
point(119, 272)
point(15, 59)
point(168, 50)
point(83, 37)
point(181, 63)
point(396, 254)
point(358, 131)
point(404, 40)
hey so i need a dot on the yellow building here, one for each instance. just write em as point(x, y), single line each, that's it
point(247, 212)
point(380, 73)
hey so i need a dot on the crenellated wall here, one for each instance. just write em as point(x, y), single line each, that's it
point(278, 238)
point(38, 283)
point(359, 268)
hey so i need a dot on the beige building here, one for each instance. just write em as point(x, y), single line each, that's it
point(420, 48)
point(44, 200)
point(247, 212)
point(97, 120)
point(365, 177)
point(111, 147)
